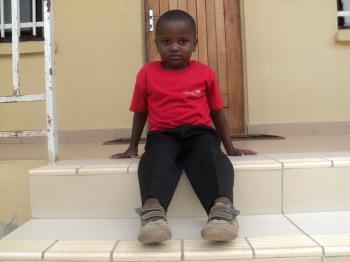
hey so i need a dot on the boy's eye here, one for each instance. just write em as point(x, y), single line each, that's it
point(165, 42)
point(183, 41)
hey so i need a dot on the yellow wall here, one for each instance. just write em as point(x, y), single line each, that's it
point(24, 116)
point(14, 193)
point(295, 70)
point(99, 51)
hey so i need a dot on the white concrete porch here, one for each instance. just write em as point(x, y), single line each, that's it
point(293, 197)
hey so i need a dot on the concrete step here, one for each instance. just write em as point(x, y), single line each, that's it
point(264, 184)
point(264, 238)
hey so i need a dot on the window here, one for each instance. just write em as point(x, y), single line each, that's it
point(31, 17)
point(343, 14)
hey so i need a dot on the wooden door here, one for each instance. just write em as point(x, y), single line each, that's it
point(219, 46)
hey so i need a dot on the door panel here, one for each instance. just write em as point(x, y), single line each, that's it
point(151, 49)
point(172, 4)
point(219, 46)
point(182, 5)
point(221, 50)
point(192, 10)
point(234, 66)
point(202, 32)
point(163, 6)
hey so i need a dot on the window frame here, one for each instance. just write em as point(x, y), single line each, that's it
point(341, 14)
point(35, 25)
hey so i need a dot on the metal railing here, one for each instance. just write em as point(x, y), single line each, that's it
point(49, 96)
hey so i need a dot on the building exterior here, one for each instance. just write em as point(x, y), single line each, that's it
point(295, 68)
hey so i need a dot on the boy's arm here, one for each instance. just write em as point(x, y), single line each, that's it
point(138, 124)
point(221, 126)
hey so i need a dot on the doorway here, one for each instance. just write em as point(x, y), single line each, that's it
point(219, 46)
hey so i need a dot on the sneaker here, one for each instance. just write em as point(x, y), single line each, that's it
point(154, 226)
point(222, 224)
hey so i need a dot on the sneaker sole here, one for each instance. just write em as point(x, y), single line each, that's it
point(153, 235)
point(219, 233)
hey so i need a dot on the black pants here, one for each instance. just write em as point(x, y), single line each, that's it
point(195, 149)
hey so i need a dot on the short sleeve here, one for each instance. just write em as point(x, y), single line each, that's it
point(139, 98)
point(213, 92)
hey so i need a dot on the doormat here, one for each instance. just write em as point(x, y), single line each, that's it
point(241, 137)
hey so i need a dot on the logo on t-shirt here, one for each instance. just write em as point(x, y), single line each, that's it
point(195, 93)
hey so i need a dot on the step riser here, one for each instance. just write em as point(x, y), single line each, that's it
point(256, 192)
point(116, 196)
point(102, 196)
point(316, 190)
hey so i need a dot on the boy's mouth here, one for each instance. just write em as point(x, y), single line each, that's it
point(175, 57)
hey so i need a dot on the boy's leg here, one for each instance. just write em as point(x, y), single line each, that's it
point(159, 171)
point(212, 177)
point(158, 174)
point(207, 167)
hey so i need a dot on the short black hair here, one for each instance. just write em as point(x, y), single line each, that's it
point(176, 15)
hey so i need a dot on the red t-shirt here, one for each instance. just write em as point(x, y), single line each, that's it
point(176, 97)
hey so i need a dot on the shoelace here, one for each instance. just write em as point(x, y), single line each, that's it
point(151, 214)
point(222, 212)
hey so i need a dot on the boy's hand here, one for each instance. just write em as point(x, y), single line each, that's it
point(138, 123)
point(241, 152)
point(131, 152)
point(221, 126)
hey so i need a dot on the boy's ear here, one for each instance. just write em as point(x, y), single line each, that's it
point(195, 45)
point(156, 42)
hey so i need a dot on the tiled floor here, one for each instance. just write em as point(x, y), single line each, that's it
point(323, 223)
point(292, 144)
point(183, 228)
point(126, 229)
point(300, 237)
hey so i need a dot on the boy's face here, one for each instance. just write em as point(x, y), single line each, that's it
point(175, 43)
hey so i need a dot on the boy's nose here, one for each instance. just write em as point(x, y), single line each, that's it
point(174, 47)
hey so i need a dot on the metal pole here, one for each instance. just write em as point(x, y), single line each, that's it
point(34, 16)
point(2, 21)
point(50, 80)
point(15, 46)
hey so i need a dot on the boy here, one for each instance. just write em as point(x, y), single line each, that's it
point(181, 100)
